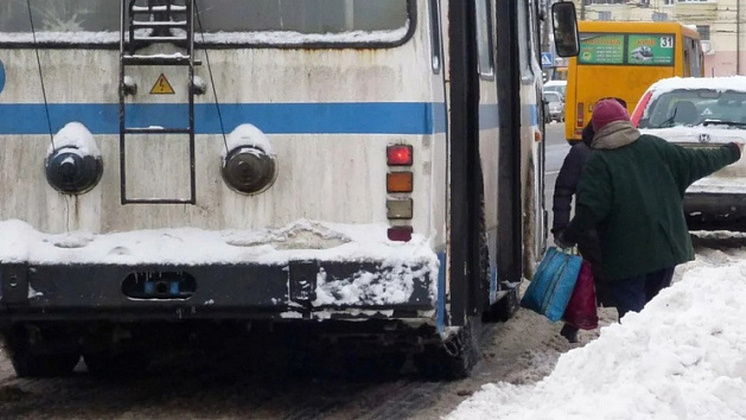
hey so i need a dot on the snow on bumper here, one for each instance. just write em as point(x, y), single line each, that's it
point(303, 269)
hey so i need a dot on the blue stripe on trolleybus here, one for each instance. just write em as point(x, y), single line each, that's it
point(272, 118)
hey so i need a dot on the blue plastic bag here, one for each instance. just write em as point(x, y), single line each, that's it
point(553, 283)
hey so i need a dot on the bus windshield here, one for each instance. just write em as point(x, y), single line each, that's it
point(215, 16)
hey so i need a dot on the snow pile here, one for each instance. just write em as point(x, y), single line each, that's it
point(683, 357)
point(301, 240)
point(76, 136)
point(247, 135)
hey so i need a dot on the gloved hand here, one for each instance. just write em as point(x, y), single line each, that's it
point(561, 241)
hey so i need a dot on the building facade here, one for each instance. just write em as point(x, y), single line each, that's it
point(720, 24)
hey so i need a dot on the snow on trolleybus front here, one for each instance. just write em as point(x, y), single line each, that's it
point(178, 169)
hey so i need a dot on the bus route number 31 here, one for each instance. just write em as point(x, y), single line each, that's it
point(666, 42)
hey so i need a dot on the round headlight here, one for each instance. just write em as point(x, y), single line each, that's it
point(71, 172)
point(249, 170)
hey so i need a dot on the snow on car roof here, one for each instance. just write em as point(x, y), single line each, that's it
point(720, 84)
point(717, 83)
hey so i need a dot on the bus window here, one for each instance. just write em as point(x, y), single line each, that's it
point(59, 16)
point(559, 73)
point(524, 40)
point(304, 16)
point(484, 39)
point(435, 37)
point(215, 16)
point(694, 50)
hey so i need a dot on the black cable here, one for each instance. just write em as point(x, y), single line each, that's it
point(212, 79)
point(41, 75)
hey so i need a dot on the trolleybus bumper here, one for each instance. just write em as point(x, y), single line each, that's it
point(239, 291)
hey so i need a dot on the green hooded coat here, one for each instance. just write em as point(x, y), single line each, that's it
point(632, 191)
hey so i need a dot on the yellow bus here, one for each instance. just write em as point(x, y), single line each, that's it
point(560, 73)
point(621, 59)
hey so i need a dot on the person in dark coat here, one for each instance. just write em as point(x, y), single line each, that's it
point(567, 181)
point(631, 190)
point(588, 244)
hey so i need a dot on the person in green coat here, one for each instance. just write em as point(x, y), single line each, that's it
point(631, 191)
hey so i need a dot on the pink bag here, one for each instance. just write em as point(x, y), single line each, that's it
point(581, 310)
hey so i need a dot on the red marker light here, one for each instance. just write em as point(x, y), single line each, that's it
point(399, 155)
point(400, 233)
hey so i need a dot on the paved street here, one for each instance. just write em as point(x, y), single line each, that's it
point(556, 150)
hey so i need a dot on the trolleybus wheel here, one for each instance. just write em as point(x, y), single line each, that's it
point(505, 308)
point(28, 362)
point(111, 365)
point(453, 359)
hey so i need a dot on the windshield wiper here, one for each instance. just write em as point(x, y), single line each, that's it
point(669, 122)
point(723, 122)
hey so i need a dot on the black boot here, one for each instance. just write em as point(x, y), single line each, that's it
point(570, 332)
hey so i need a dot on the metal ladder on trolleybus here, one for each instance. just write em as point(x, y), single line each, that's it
point(150, 23)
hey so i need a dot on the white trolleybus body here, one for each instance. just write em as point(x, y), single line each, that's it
point(177, 168)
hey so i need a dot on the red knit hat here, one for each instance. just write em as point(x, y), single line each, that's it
point(607, 111)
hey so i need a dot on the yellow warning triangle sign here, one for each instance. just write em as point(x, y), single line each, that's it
point(162, 87)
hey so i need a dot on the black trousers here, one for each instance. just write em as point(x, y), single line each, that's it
point(633, 293)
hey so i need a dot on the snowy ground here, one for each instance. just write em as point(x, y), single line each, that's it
point(683, 357)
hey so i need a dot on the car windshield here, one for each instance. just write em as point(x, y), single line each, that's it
point(555, 88)
point(552, 97)
point(689, 107)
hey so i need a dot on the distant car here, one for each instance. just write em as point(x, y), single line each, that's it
point(556, 86)
point(702, 112)
point(554, 104)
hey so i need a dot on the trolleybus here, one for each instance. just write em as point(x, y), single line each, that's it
point(314, 169)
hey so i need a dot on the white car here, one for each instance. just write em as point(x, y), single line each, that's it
point(702, 112)
point(559, 86)
point(555, 106)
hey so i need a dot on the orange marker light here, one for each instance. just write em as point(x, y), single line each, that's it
point(399, 155)
point(399, 182)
